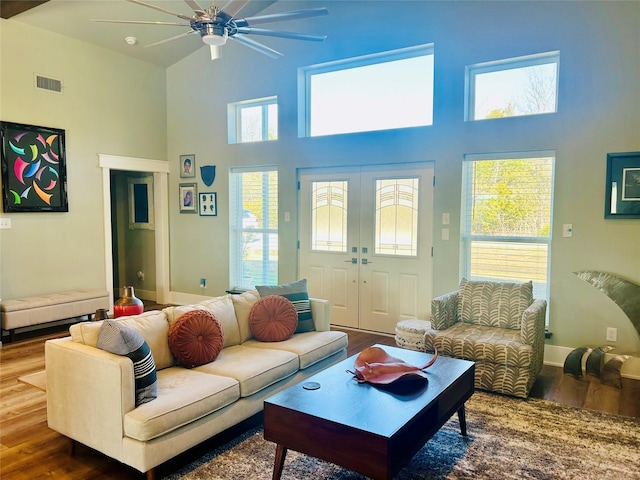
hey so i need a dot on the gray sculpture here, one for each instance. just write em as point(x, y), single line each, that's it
point(624, 292)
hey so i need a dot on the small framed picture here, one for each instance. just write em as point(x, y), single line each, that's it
point(187, 166)
point(623, 185)
point(188, 197)
point(208, 204)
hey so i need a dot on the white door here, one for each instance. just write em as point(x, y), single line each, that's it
point(365, 242)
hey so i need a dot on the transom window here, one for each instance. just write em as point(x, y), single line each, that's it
point(513, 87)
point(253, 120)
point(374, 92)
point(506, 219)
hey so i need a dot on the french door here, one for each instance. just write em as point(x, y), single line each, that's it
point(365, 242)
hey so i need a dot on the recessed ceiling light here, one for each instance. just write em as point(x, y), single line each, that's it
point(131, 40)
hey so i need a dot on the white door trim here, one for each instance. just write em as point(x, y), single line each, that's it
point(160, 169)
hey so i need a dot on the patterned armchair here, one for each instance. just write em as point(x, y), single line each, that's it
point(497, 325)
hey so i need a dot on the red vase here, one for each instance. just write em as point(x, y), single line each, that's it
point(128, 304)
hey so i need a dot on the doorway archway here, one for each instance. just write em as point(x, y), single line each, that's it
point(160, 170)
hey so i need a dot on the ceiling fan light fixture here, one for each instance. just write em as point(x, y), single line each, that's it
point(213, 34)
point(213, 39)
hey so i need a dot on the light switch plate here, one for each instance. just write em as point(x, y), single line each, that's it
point(445, 234)
point(567, 230)
point(445, 219)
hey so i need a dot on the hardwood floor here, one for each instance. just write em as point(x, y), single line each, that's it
point(30, 450)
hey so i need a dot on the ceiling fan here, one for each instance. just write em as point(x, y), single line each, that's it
point(215, 25)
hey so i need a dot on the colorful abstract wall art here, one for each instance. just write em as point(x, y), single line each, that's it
point(34, 173)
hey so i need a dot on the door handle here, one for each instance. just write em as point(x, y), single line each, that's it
point(353, 260)
point(366, 262)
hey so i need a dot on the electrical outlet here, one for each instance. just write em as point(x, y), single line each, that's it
point(612, 334)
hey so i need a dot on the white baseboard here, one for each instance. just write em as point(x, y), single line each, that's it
point(555, 355)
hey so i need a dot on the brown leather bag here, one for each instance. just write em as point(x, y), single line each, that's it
point(375, 365)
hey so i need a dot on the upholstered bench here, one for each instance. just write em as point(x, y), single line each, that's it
point(410, 333)
point(29, 311)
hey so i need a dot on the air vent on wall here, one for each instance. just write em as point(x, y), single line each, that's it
point(49, 84)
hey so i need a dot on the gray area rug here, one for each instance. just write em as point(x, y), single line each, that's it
point(508, 439)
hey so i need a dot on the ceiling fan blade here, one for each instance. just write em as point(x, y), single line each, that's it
point(268, 51)
point(277, 17)
point(141, 22)
point(282, 34)
point(194, 6)
point(255, 7)
point(215, 52)
point(233, 7)
point(170, 39)
point(145, 4)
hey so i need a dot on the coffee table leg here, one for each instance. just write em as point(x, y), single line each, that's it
point(463, 421)
point(281, 453)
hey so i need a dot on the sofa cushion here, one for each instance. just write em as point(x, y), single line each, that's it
point(242, 304)
point(221, 307)
point(196, 338)
point(273, 319)
point(153, 327)
point(310, 347)
point(297, 293)
point(480, 343)
point(183, 396)
point(494, 304)
point(116, 338)
point(253, 368)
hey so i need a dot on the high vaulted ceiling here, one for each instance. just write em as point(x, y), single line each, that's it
point(73, 18)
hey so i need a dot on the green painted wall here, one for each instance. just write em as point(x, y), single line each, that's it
point(599, 112)
point(111, 104)
point(116, 105)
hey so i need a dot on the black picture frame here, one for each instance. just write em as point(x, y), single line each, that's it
point(208, 204)
point(34, 168)
point(622, 198)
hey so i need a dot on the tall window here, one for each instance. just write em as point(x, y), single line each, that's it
point(506, 218)
point(253, 120)
point(253, 229)
point(513, 87)
point(374, 92)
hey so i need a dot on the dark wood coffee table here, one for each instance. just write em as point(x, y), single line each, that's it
point(364, 428)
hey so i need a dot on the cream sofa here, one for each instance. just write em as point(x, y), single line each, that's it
point(90, 392)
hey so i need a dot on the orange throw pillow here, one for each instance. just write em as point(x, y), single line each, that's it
point(273, 319)
point(196, 338)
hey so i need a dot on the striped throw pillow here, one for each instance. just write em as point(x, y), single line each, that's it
point(121, 340)
point(296, 293)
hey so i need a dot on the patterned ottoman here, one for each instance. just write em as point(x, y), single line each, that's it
point(410, 334)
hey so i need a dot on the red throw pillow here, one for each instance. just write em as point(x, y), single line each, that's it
point(273, 319)
point(196, 338)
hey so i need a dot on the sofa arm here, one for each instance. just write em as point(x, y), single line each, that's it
point(532, 324)
point(88, 393)
point(444, 310)
point(321, 314)
point(532, 332)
